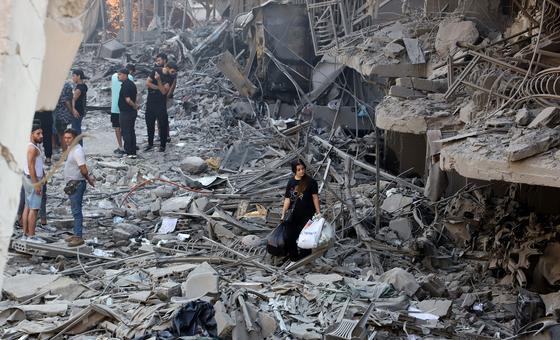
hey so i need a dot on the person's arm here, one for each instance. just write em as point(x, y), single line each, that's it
point(75, 97)
point(31, 159)
point(172, 89)
point(131, 103)
point(285, 207)
point(150, 84)
point(316, 203)
point(85, 173)
point(163, 88)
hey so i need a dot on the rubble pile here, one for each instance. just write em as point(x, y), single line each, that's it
point(176, 241)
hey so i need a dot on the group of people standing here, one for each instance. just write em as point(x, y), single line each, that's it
point(52, 127)
point(161, 85)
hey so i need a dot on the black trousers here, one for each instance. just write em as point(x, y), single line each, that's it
point(163, 126)
point(127, 119)
point(292, 233)
point(46, 118)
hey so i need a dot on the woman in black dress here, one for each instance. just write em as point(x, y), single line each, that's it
point(302, 194)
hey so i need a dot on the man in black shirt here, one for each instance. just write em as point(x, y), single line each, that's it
point(79, 100)
point(128, 112)
point(158, 84)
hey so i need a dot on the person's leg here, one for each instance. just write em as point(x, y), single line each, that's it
point(31, 221)
point(21, 206)
point(124, 131)
point(163, 127)
point(47, 126)
point(118, 134)
point(43, 209)
point(150, 126)
point(117, 126)
point(133, 130)
point(76, 124)
point(76, 200)
point(24, 219)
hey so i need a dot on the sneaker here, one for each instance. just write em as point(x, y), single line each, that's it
point(161, 149)
point(36, 239)
point(46, 227)
point(78, 241)
point(118, 151)
point(24, 238)
point(132, 156)
point(148, 148)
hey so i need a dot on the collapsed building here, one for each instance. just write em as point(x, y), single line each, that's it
point(431, 125)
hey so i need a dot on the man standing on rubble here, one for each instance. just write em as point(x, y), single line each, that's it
point(79, 100)
point(128, 112)
point(115, 90)
point(158, 84)
point(63, 112)
point(75, 175)
point(34, 173)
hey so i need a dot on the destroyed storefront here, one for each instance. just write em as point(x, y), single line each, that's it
point(419, 251)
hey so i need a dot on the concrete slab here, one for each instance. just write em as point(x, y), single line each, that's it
point(401, 280)
point(202, 281)
point(402, 226)
point(322, 279)
point(484, 157)
point(22, 287)
point(415, 116)
point(440, 308)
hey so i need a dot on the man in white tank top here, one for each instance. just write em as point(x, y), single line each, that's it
point(34, 173)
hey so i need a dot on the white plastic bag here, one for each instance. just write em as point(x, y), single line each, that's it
point(327, 235)
point(310, 234)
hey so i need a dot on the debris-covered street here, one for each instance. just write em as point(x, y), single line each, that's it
point(428, 130)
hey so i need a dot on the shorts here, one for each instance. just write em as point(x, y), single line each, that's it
point(115, 120)
point(32, 199)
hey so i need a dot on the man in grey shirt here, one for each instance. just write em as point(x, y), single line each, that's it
point(76, 174)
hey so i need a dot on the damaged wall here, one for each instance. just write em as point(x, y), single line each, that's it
point(24, 33)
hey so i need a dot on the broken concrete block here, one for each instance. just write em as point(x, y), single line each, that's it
point(65, 287)
point(450, 33)
point(163, 192)
point(414, 51)
point(193, 165)
point(167, 290)
point(202, 281)
point(232, 70)
point(140, 297)
point(393, 50)
point(22, 287)
point(422, 84)
point(223, 320)
point(131, 229)
point(405, 92)
point(396, 202)
point(437, 307)
point(252, 241)
point(118, 212)
point(319, 279)
point(549, 117)
point(401, 280)
point(40, 311)
point(459, 232)
point(175, 204)
point(112, 49)
point(155, 206)
point(531, 144)
point(403, 227)
point(522, 117)
point(434, 286)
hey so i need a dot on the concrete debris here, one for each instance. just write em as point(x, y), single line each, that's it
point(451, 33)
point(202, 281)
point(548, 117)
point(393, 50)
point(436, 242)
point(401, 280)
point(193, 165)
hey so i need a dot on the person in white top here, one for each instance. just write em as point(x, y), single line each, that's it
point(34, 173)
point(76, 174)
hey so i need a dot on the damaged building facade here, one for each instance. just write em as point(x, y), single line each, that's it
point(431, 127)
